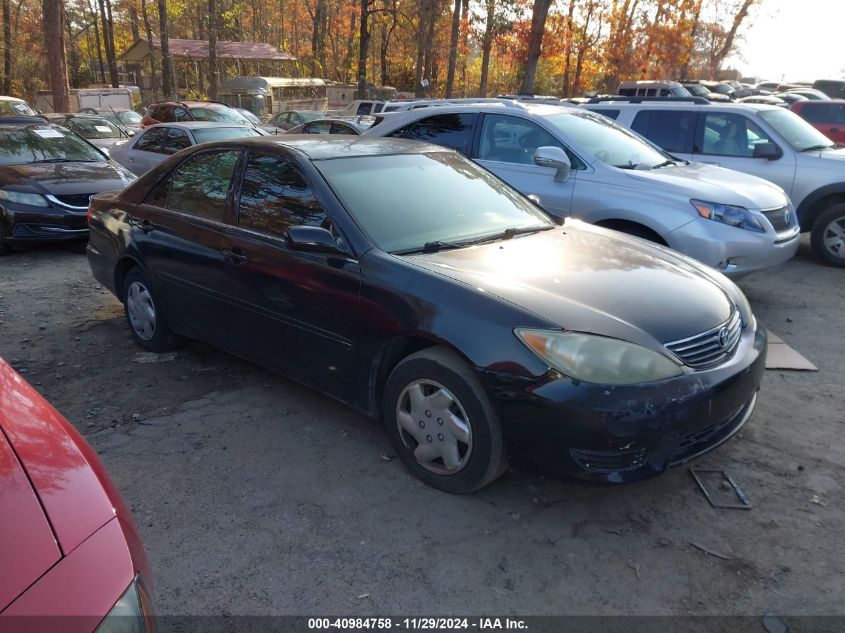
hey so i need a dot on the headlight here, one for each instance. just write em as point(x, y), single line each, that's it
point(739, 217)
point(130, 614)
point(31, 199)
point(598, 359)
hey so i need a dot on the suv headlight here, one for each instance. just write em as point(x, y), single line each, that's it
point(130, 614)
point(18, 197)
point(598, 359)
point(739, 217)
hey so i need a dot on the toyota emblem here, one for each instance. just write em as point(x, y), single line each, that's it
point(723, 337)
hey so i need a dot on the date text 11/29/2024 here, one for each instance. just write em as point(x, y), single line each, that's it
point(417, 624)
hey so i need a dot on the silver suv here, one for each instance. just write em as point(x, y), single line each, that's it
point(761, 140)
point(581, 164)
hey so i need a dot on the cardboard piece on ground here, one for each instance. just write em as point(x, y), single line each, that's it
point(782, 356)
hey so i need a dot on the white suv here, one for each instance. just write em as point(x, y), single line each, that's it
point(581, 164)
point(761, 140)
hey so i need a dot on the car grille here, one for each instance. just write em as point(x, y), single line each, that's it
point(608, 461)
point(710, 347)
point(780, 219)
point(76, 200)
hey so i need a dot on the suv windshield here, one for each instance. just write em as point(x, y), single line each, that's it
point(438, 199)
point(795, 130)
point(47, 143)
point(93, 128)
point(607, 141)
point(221, 113)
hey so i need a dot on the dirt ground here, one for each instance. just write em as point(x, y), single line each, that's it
point(256, 495)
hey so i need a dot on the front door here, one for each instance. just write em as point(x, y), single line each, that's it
point(292, 310)
point(727, 139)
point(506, 147)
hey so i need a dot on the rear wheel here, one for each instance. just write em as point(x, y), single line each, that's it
point(144, 314)
point(441, 422)
point(828, 235)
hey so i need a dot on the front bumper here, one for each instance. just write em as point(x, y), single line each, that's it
point(735, 252)
point(42, 224)
point(624, 433)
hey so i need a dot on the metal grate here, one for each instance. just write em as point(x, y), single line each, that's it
point(780, 219)
point(710, 347)
point(79, 200)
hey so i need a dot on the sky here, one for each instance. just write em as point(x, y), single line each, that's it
point(794, 40)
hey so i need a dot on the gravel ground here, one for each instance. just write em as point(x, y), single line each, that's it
point(256, 495)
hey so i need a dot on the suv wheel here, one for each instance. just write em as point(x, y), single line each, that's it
point(828, 235)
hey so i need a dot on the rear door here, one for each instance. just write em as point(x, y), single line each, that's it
point(147, 151)
point(292, 310)
point(506, 146)
point(727, 139)
point(179, 239)
point(673, 130)
point(452, 130)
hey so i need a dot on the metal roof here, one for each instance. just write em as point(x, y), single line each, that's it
point(198, 49)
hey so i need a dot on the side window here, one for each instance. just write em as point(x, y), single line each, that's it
point(342, 128)
point(450, 130)
point(150, 140)
point(318, 127)
point(509, 139)
point(175, 139)
point(673, 130)
point(725, 134)
point(199, 185)
point(275, 196)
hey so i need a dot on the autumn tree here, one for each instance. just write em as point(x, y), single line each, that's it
point(539, 15)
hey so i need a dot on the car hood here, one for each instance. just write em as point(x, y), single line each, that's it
point(66, 178)
point(51, 498)
point(715, 184)
point(589, 279)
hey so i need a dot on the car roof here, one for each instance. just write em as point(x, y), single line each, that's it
point(193, 125)
point(340, 146)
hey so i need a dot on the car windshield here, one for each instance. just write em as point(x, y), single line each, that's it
point(427, 199)
point(607, 141)
point(16, 108)
point(795, 130)
point(208, 134)
point(93, 128)
point(44, 143)
point(128, 117)
point(249, 116)
point(222, 114)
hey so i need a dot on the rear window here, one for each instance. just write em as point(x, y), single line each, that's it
point(673, 130)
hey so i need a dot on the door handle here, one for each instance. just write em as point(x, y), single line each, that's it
point(144, 225)
point(234, 256)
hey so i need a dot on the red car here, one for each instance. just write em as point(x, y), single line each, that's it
point(71, 560)
point(828, 117)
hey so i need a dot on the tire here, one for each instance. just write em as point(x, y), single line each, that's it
point(144, 314)
point(828, 235)
point(466, 448)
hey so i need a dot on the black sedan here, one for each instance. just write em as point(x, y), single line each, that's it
point(414, 285)
point(47, 174)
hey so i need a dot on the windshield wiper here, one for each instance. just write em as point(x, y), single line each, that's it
point(815, 148)
point(665, 163)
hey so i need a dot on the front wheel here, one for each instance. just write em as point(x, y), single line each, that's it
point(144, 314)
point(441, 422)
point(828, 235)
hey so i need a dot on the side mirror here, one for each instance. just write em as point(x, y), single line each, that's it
point(555, 158)
point(767, 150)
point(313, 238)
